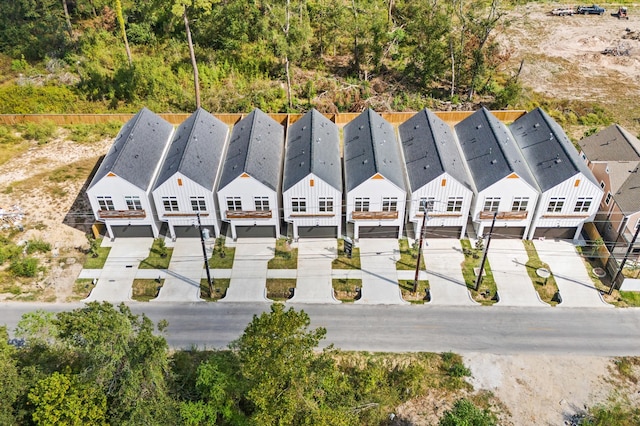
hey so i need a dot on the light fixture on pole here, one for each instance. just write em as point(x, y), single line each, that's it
point(486, 251)
point(204, 253)
point(624, 260)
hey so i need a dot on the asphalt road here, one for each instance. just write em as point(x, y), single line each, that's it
point(595, 331)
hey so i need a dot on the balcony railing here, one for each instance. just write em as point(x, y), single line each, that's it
point(440, 214)
point(311, 215)
point(122, 214)
point(374, 215)
point(504, 215)
point(564, 216)
point(249, 214)
point(194, 214)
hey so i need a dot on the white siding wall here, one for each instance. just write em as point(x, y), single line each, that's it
point(312, 194)
point(570, 192)
point(183, 194)
point(506, 189)
point(376, 190)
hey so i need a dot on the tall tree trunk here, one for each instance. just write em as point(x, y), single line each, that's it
point(286, 56)
point(356, 52)
point(120, 17)
point(196, 78)
point(453, 68)
point(67, 17)
point(286, 67)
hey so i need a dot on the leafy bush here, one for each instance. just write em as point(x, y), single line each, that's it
point(464, 412)
point(40, 132)
point(38, 245)
point(27, 267)
point(8, 251)
point(88, 133)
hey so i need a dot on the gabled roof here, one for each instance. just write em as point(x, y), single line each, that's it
point(628, 196)
point(490, 150)
point(611, 144)
point(313, 146)
point(370, 148)
point(255, 148)
point(430, 149)
point(548, 151)
point(196, 150)
point(137, 150)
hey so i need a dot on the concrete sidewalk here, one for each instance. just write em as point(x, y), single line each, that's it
point(443, 257)
point(576, 288)
point(120, 269)
point(182, 282)
point(378, 257)
point(507, 258)
point(314, 271)
point(249, 272)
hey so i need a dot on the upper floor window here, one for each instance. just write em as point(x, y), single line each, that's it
point(198, 204)
point(362, 204)
point(519, 204)
point(299, 204)
point(491, 204)
point(582, 205)
point(326, 204)
point(234, 204)
point(170, 204)
point(607, 200)
point(555, 205)
point(389, 204)
point(454, 204)
point(133, 202)
point(105, 203)
point(428, 203)
point(261, 203)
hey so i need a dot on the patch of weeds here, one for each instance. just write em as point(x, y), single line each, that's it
point(90, 133)
point(42, 133)
point(486, 292)
point(220, 286)
point(279, 289)
point(345, 262)
point(546, 287)
point(222, 256)
point(146, 289)
point(285, 257)
point(26, 267)
point(81, 289)
point(420, 296)
point(628, 368)
point(97, 255)
point(345, 288)
point(159, 256)
point(38, 245)
point(408, 256)
point(628, 299)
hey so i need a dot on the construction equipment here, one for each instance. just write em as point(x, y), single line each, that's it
point(622, 13)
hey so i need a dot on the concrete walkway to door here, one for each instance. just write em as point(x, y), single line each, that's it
point(443, 257)
point(508, 258)
point(182, 281)
point(314, 271)
point(378, 257)
point(249, 272)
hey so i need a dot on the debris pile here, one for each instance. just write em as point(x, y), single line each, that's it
point(622, 49)
point(11, 218)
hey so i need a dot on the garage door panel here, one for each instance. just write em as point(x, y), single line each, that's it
point(378, 232)
point(318, 232)
point(507, 232)
point(191, 231)
point(132, 231)
point(443, 232)
point(559, 233)
point(256, 231)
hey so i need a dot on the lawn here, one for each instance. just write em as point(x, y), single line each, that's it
point(419, 297)
point(81, 289)
point(546, 288)
point(146, 289)
point(408, 257)
point(629, 299)
point(220, 286)
point(472, 258)
point(343, 261)
point(98, 261)
point(345, 288)
point(222, 256)
point(159, 257)
point(278, 289)
point(285, 257)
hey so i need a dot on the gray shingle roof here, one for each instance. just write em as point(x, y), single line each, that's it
point(137, 150)
point(196, 150)
point(548, 151)
point(370, 147)
point(628, 196)
point(430, 149)
point(255, 148)
point(313, 146)
point(490, 150)
point(611, 144)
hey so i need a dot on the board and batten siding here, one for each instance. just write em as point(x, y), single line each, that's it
point(440, 190)
point(578, 186)
point(507, 189)
point(312, 188)
point(183, 189)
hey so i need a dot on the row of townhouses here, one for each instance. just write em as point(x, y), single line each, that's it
point(260, 174)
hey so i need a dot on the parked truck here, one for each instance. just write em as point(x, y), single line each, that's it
point(590, 10)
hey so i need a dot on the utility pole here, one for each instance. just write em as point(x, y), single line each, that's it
point(486, 251)
point(624, 260)
point(204, 253)
point(422, 229)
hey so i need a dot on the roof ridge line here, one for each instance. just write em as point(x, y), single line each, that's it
point(488, 115)
point(136, 119)
point(435, 142)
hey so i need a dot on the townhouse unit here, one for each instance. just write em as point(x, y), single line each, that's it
point(186, 181)
point(439, 183)
point(613, 155)
point(374, 178)
point(503, 183)
point(120, 191)
point(249, 187)
point(570, 194)
point(312, 178)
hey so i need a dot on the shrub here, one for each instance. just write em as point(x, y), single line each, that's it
point(464, 412)
point(40, 132)
point(38, 245)
point(26, 267)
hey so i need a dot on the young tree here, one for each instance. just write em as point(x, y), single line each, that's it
point(10, 380)
point(123, 30)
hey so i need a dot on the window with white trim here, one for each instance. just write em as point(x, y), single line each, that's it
point(299, 204)
point(105, 203)
point(234, 204)
point(389, 204)
point(362, 204)
point(261, 203)
point(519, 204)
point(555, 205)
point(583, 205)
point(454, 204)
point(491, 204)
point(602, 185)
point(608, 199)
point(198, 204)
point(133, 202)
point(170, 204)
point(429, 202)
point(325, 204)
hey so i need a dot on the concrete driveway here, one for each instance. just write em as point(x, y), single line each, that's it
point(507, 258)
point(378, 257)
point(120, 269)
point(182, 282)
point(442, 260)
point(576, 288)
point(314, 271)
point(249, 272)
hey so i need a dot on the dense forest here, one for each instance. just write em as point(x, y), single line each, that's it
point(278, 55)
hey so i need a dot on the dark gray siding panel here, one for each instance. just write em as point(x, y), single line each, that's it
point(132, 231)
point(555, 233)
point(378, 232)
point(256, 231)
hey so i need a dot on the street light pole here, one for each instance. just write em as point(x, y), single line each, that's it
point(624, 260)
point(204, 253)
point(422, 230)
point(486, 251)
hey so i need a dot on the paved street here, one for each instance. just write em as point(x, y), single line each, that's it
point(182, 282)
point(507, 258)
point(442, 260)
point(249, 272)
point(314, 271)
point(576, 288)
point(378, 257)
